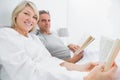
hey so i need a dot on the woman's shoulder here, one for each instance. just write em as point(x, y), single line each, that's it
point(7, 31)
point(4, 30)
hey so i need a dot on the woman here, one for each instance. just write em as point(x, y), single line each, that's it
point(23, 56)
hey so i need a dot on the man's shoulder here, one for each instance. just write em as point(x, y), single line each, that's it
point(54, 33)
point(36, 32)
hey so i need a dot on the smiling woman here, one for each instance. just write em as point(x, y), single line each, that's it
point(24, 18)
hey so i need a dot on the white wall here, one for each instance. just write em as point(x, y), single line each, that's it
point(95, 17)
point(57, 8)
point(82, 17)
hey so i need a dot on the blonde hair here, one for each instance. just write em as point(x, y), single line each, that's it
point(20, 7)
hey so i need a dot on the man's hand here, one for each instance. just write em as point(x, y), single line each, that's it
point(73, 47)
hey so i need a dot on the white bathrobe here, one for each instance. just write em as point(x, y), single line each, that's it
point(25, 58)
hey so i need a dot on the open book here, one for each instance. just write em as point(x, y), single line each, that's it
point(108, 51)
point(85, 44)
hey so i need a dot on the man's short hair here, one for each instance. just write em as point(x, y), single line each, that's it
point(44, 12)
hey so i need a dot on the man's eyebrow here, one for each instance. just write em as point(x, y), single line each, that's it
point(43, 19)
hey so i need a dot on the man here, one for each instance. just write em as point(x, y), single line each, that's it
point(53, 43)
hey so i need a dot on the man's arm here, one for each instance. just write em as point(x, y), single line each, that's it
point(75, 58)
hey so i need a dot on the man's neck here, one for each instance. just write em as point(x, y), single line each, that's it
point(45, 32)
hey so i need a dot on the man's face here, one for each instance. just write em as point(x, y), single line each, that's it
point(44, 22)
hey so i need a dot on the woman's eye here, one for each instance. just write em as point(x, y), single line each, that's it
point(26, 13)
point(35, 17)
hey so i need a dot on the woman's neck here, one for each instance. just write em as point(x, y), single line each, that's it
point(20, 31)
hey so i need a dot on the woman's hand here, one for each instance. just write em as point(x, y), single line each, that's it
point(98, 73)
point(89, 66)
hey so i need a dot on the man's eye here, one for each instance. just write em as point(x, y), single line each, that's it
point(43, 20)
point(49, 20)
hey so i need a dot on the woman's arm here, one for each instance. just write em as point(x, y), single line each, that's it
point(77, 67)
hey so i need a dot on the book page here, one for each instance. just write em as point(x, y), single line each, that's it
point(112, 54)
point(108, 51)
point(104, 50)
point(85, 44)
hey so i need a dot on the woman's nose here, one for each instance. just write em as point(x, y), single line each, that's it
point(31, 19)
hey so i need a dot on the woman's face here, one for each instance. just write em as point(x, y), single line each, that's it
point(26, 19)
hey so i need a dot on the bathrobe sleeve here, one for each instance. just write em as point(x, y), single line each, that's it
point(19, 66)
